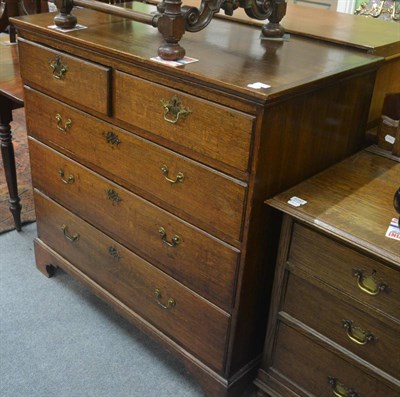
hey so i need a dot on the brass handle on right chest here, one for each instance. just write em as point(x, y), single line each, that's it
point(69, 237)
point(179, 176)
point(341, 390)
point(175, 239)
point(368, 284)
point(69, 180)
point(67, 125)
point(58, 68)
point(173, 110)
point(357, 334)
point(170, 303)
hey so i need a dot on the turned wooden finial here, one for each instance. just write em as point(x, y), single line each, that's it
point(65, 20)
point(171, 24)
point(273, 28)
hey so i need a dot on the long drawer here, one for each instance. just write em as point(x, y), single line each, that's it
point(321, 372)
point(351, 272)
point(191, 256)
point(203, 196)
point(375, 341)
point(198, 326)
point(205, 127)
point(74, 79)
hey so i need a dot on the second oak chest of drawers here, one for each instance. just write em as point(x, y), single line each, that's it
point(150, 180)
point(334, 326)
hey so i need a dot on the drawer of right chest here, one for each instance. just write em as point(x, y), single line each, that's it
point(362, 278)
point(373, 338)
point(321, 372)
point(201, 195)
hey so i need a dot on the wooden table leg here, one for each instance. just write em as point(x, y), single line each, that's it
point(7, 154)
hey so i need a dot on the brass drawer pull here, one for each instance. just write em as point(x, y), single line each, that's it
point(73, 238)
point(175, 240)
point(357, 334)
point(174, 108)
point(58, 68)
point(114, 253)
point(69, 180)
point(67, 125)
point(112, 138)
point(341, 390)
point(179, 176)
point(171, 301)
point(113, 196)
point(368, 284)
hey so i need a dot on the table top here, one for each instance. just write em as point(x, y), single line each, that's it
point(11, 85)
point(352, 200)
point(371, 35)
point(230, 55)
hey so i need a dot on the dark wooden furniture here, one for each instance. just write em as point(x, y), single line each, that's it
point(11, 97)
point(334, 323)
point(367, 35)
point(14, 8)
point(8, 9)
point(150, 180)
point(172, 20)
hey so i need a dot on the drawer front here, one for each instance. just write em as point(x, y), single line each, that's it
point(198, 260)
point(319, 371)
point(74, 79)
point(372, 340)
point(210, 129)
point(198, 326)
point(202, 196)
point(365, 279)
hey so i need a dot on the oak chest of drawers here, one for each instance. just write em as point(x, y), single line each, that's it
point(150, 180)
point(334, 324)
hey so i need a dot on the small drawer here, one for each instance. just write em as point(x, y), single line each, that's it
point(197, 193)
point(347, 325)
point(215, 131)
point(201, 328)
point(74, 79)
point(191, 256)
point(360, 276)
point(317, 371)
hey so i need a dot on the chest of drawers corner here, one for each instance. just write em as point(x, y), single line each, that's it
point(334, 327)
point(149, 180)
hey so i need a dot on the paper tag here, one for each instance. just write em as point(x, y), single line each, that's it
point(393, 230)
point(180, 62)
point(258, 85)
point(296, 201)
point(390, 139)
point(285, 37)
point(76, 27)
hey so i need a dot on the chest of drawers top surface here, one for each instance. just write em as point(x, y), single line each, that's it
point(357, 206)
point(230, 55)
